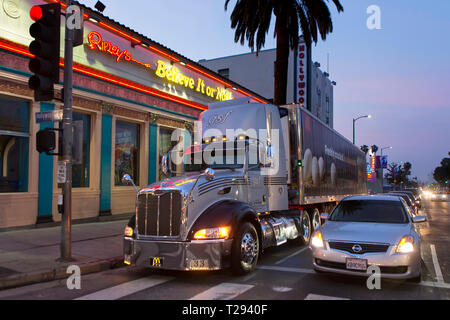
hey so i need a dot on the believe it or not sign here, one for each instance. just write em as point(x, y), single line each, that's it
point(49, 116)
point(302, 61)
point(61, 172)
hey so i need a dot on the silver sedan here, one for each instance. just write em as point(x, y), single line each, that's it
point(364, 231)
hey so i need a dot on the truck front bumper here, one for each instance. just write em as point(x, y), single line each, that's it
point(172, 255)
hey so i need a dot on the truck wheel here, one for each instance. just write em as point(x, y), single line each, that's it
point(305, 228)
point(245, 249)
point(315, 223)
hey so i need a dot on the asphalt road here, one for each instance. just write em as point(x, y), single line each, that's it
point(283, 273)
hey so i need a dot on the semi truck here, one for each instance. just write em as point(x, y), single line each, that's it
point(262, 175)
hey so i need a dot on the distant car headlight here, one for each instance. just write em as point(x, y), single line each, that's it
point(212, 233)
point(128, 231)
point(433, 196)
point(406, 245)
point(317, 241)
point(444, 196)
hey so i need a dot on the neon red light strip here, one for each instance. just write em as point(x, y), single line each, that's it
point(119, 32)
point(163, 53)
point(127, 84)
point(208, 75)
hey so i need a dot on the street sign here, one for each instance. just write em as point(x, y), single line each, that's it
point(61, 172)
point(49, 116)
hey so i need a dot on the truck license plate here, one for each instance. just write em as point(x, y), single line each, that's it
point(356, 264)
point(199, 264)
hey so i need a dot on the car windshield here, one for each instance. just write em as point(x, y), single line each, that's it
point(379, 211)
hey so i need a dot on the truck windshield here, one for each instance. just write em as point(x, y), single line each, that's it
point(195, 159)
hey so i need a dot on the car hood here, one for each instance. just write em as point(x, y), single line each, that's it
point(365, 231)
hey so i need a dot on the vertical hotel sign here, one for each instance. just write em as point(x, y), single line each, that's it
point(302, 65)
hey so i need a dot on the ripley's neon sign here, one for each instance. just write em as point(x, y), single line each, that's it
point(97, 43)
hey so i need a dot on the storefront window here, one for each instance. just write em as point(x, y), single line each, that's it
point(14, 144)
point(80, 172)
point(126, 151)
point(165, 144)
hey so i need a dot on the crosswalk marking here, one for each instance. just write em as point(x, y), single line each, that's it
point(437, 267)
point(223, 291)
point(313, 296)
point(126, 288)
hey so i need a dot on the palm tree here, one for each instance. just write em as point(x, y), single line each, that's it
point(251, 19)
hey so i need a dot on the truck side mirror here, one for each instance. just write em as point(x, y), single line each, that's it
point(165, 166)
point(209, 174)
point(126, 179)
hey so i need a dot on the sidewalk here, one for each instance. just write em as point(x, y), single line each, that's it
point(29, 256)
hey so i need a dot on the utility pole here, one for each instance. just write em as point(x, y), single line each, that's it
point(66, 223)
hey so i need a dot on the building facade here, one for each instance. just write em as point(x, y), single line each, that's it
point(307, 84)
point(129, 94)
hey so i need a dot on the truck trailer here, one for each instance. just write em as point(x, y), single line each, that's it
point(259, 176)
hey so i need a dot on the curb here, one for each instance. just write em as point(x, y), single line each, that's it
point(24, 279)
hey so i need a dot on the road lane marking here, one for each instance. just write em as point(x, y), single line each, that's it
point(312, 296)
point(434, 284)
point(223, 291)
point(281, 289)
point(437, 267)
point(290, 256)
point(125, 289)
point(286, 269)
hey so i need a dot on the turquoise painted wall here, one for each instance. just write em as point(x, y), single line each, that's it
point(152, 153)
point(45, 185)
point(105, 165)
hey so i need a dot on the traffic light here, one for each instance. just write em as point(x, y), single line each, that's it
point(45, 140)
point(45, 46)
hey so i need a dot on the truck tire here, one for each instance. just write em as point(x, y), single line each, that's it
point(315, 220)
point(245, 249)
point(305, 224)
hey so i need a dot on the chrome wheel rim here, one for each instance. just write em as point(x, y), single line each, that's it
point(249, 248)
point(316, 220)
point(306, 227)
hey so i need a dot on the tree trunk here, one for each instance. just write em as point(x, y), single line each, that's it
point(281, 63)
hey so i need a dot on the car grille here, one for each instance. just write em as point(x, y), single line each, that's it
point(159, 213)
point(342, 266)
point(365, 247)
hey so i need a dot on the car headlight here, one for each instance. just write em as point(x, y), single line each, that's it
point(128, 231)
point(212, 233)
point(406, 245)
point(317, 241)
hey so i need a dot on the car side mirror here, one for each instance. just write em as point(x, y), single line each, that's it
point(165, 167)
point(324, 216)
point(418, 219)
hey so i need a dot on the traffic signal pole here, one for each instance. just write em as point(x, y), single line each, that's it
point(66, 223)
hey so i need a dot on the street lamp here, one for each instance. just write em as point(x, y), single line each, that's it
point(384, 148)
point(354, 120)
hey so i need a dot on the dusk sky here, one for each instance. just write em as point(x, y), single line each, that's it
point(400, 74)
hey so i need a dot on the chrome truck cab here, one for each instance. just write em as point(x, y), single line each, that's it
point(218, 214)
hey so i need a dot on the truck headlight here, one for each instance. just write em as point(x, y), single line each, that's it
point(212, 233)
point(128, 231)
point(316, 240)
point(406, 245)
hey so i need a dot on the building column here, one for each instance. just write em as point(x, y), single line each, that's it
point(152, 149)
point(45, 184)
point(105, 161)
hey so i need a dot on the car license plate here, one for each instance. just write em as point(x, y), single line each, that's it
point(356, 264)
point(156, 262)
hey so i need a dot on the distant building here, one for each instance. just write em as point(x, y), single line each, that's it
point(307, 84)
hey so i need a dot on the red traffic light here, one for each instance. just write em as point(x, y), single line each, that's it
point(36, 13)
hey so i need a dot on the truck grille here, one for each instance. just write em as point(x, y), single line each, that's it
point(159, 213)
point(365, 247)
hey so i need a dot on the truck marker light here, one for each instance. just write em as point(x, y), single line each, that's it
point(128, 231)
